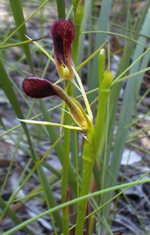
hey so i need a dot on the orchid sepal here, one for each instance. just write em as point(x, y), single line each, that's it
point(63, 33)
point(50, 124)
point(41, 88)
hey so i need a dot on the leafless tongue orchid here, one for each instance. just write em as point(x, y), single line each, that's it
point(63, 33)
point(41, 88)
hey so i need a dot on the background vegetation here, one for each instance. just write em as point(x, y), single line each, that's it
point(31, 156)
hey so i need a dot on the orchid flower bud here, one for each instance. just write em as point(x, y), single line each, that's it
point(37, 87)
point(63, 33)
point(107, 80)
point(41, 88)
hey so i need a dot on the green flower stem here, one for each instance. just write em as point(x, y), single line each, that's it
point(75, 3)
point(102, 101)
point(92, 56)
point(91, 225)
point(88, 162)
point(75, 44)
point(101, 71)
point(65, 174)
point(91, 147)
point(67, 121)
point(61, 9)
point(101, 66)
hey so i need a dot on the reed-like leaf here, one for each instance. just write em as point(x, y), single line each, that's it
point(61, 9)
point(8, 89)
point(19, 19)
point(90, 195)
point(59, 147)
point(102, 25)
point(13, 216)
point(128, 105)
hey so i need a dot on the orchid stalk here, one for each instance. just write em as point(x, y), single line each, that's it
point(94, 137)
point(63, 33)
point(40, 88)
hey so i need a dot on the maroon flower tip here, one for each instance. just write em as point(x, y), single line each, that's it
point(63, 33)
point(37, 87)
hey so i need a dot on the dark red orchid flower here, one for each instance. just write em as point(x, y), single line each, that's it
point(37, 87)
point(41, 88)
point(63, 33)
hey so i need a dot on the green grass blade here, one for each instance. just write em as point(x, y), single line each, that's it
point(13, 216)
point(103, 22)
point(8, 89)
point(19, 19)
point(61, 9)
point(71, 202)
point(82, 36)
point(59, 147)
point(128, 105)
point(131, 91)
point(132, 87)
